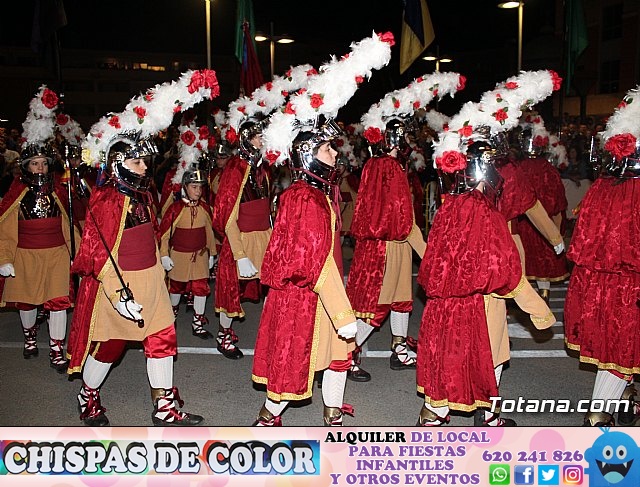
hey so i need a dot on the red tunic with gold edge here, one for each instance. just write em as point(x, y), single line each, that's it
point(470, 254)
point(383, 212)
point(601, 312)
point(227, 205)
point(541, 261)
point(517, 194)
point(299, 248)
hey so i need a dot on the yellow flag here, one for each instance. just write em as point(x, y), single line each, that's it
point(417, 32)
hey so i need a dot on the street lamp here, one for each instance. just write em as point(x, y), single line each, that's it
point(520, 7)
point(283, 39)
point(437, 58)
point(207, 7)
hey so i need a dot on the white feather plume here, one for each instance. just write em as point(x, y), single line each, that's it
point(39, 125)
point(70, 129)
point(626, 117)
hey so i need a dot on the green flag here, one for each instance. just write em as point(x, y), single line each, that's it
point(244, 14)
point(577, 39)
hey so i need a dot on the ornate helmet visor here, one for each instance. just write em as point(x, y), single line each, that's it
point(131, 148)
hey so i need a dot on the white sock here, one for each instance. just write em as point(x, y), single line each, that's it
point(487, 413)
point(57, 324)
point(198, 304)
point(543, 284)
point(399, 324)
point(363, 332)
point(441, 411)
point(276, 408)
point(175, 299)
point(28, 318)
point(608, 386)
point(94, 372)
point(225, 321)
point(333, 384)
point(160, 372)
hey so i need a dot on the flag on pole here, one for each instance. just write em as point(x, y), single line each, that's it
point(417, 32)
point(577, 39)
point(251, 74)
point(244, 13)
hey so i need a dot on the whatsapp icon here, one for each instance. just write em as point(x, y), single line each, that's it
point(499, 474)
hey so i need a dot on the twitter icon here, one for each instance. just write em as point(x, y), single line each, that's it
point(548, 475)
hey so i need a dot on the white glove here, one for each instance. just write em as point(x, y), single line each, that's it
point(129, 309)
point(348, 331)
point(7, 270)
point(212, 261)
point(246, 267)
point(559, 248)
point(167, 263)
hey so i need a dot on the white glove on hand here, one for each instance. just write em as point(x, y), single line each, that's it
point(7, 270)
point(559, 248)
point(348, 331)
point(129, 309)
point(167, 263)
point(212, 261)
point(246, 267)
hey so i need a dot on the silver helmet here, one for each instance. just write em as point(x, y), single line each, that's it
point(192, 176)
point(33, 151)
point(130, 146)
point(395, 137)
point(304, 162)
point(481, 157)
point(247, 131)
point(528, 143)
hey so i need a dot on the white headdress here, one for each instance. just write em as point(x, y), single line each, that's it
point(149, 113)
point(39, 125)
point(403, 103)
point(498, 110)
point(325, 94)
point(623, 128)
point(192, 144)
point(532, 120)
point(70, 129)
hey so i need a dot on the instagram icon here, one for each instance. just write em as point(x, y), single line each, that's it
point(572, 474)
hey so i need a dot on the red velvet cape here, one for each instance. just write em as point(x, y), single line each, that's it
point(470, 253)
point(383, 212)
point(517, 194)
point(601, 315)
point(107, 207)
point(417, 191)
point(168, 188)
point(540, 259)
point(299, 249)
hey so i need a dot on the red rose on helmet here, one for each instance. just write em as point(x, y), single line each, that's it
point(288, 108)
point(284, 93)
point(188, 137)
point(242, 109)
point(511, 85)
point(540, 141)
point(557, 80)
point(231, 135)
point(396, 103)
point(140, 112)
point(269, 85)
point(312, 72)
point(203, 132)
point(62, 119)
point(387, 37)
point(451, 161)
point(49, 98)
point(373, 135)
point(466, 130)
point(316, 100)
point(115, 122)
point(416, 105)
point(211, 142)
point(272, 156)
point(622, 104)
point(621, 145)
point(501, 115)
point(462, 82)
point(148, 96)
point(339, 142)
point(359, 79)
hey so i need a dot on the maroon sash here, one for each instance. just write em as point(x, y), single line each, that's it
point(254, 215)
point(137, 248)
point(43, 233)
point(189, 239)
point(345, 196)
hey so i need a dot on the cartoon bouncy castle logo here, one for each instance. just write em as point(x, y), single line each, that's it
point(614, 460)
point(117, 457)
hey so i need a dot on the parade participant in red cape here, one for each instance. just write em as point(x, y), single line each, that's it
point(545, 262)
point(383, 224)
point(122, 295)
point(602, 310)
point(187, 246)
point(307, 323)
point(242, 208)
point(472, 264)
point(348, 183)
point(35, 236)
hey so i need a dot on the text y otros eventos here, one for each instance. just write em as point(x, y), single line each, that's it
point(522, 405)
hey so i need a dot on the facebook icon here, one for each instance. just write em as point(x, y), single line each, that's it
point(523, 475)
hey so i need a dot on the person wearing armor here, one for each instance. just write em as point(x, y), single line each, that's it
point(602, 310)
point(307, 312)
point(122, 295)
point(241, 216)
point(187, 248)
point(384, 228)
point(543, 263)
point(472, 266)
point(35, 236)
